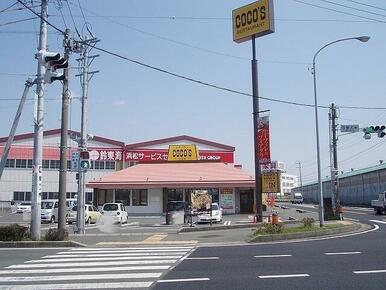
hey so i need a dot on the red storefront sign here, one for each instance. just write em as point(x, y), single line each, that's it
point(106, 154)
point(263, 140)
point(160, 155)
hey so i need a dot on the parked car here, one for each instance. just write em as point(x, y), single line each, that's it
point(91, 214)
point(216, 215)
point(49, 209)
point(177, 212)
point(23, 207)
point(296, 197)
point(379, 204)
point(116, 211)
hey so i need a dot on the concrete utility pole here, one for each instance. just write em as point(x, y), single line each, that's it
point(64, 140)
point(334, 159)
point(255, 99)
point(300, 175)
point(83, 132)
point(38, 131)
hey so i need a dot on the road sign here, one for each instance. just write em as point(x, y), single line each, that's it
point(75, 161)
point(270, 182)
point(349, 128)
point(255, 19)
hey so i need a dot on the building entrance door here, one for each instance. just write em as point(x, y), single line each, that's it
point(246, 201)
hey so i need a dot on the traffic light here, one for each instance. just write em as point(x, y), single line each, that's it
point(379, 131)
point(374, 129)
point(84, 157)
point(52, 61)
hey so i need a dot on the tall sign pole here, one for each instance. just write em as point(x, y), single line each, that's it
point(249, 22)
point(38, 130)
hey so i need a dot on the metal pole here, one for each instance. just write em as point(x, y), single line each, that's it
point(255, 99)
point(321, 213)
point(7, 147)
point(335, 158)
point(300, 176)
point(331, 159)
point(83, 141)
point(38, 131)
point(64, 141)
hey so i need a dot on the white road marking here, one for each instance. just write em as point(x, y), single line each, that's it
point(202, 258)
point(183, 280)
point(117, 251)
point(115, 285)
point(71, 270)
point(283, 276)
point(369, 272)
point(101, 259)
point(354, 220)
point(114, 255)
point(88, 264)
point(81, 277)
point(343, 253)
point(378, 221)
point(227, 223)
point(273, 256)
point(132, 248)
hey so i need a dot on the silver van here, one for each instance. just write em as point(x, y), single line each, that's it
point(49, 209)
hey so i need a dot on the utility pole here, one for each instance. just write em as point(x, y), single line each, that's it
point(83, 132)
point(64, 140)
point(334, 159)
point(38, 130)
point(300, 176)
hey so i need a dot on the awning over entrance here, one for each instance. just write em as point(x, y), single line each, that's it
point(175, 175)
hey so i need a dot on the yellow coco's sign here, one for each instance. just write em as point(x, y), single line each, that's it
point(253, 19)
point(182, 153)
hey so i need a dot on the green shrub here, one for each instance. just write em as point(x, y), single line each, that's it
point(308, 222)
point(266, 228)
point(55, 235)
point(14, 232)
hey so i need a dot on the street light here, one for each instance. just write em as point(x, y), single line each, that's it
point(362, 39)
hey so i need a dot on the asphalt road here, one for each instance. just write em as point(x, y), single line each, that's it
point(352, 262)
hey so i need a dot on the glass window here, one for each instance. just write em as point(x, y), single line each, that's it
point(91, 164)
point(140, 197)
point(46, 163)
point(110, 165)
point(18, 195)
point(68, 164)
point(29, 163)
point(21, 163)
point(10, 163)
point(175, 194)
point(99, 165)
point(88, 196)
point(123, 196)
point(55, 164)
point(110, 207)
point(28, 196)
point(45, 195)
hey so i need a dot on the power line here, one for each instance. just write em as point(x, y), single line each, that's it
point(73, 21)
point(371, 6)
point(338, 11)
point(17, 21)
point(353, 8)
point(5, 9)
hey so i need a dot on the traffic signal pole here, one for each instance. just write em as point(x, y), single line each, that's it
point(64, 141)
point(38, 131)
point(83, 141)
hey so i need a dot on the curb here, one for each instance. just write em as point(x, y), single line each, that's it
point(40, 244)
point(290, 236)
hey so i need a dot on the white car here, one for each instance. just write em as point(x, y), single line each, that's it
point(91, 214)
point(23, 207)
point(114, 212)
point(216, 214)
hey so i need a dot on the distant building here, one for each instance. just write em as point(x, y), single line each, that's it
point(287, 181)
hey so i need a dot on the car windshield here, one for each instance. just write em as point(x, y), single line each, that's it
point(47, 204)
point(110, 207)
point(214, 207)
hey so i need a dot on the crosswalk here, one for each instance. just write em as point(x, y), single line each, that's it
point(94, 268)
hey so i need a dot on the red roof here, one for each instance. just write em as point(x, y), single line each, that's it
point(175, 175)
point(179, 138)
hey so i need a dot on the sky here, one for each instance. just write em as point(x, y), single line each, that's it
point(132, 103)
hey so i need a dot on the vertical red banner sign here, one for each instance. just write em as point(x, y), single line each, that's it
point(263, 140)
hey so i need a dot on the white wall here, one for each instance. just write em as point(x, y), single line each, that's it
point(154, 198)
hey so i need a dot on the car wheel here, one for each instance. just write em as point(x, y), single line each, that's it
point(52, 220)
point(70, 223)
